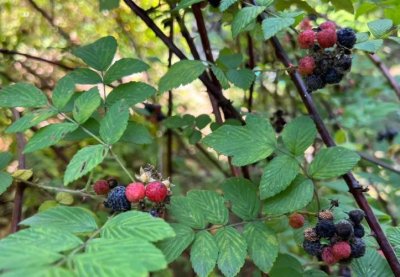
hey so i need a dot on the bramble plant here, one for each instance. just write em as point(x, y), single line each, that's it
point(260, 187)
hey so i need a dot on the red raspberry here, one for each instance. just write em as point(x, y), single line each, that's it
point(306, 65)
point(305, 24)
point(341, 250)
point(328, 25)
point(135, 192)
point(327, 256)
point(101, 187)
point(156, 191)
point(296, 220)
point(326, 38)
point(306, 39)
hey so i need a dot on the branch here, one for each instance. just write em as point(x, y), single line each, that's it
point(385, 71)
point(20, 187)
point(378, 162)
point(170, 106)
point(251, 65)
point(224, 103)
point(351, 182)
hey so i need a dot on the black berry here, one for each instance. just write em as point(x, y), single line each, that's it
point(344, 229)
point(313, 248)
point(357, 248)
point(314, 82)
point(332, 76)
point(343, 63)
point(359, 231)
point(346, 37)
point(112, 183)
point(153, 212)
point(325, 229)
point(356, 216)
point(214, 3)
point(117, 201)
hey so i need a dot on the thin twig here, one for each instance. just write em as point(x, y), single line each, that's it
point(251, 65)
point(170, 107)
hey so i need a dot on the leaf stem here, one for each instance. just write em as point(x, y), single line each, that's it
point(118, 160)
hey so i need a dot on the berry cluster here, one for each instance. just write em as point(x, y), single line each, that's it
point(150, 187)
point(344, 239)
point(329, 57)
point(389, 134)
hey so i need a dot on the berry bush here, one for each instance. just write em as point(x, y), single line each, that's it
point(199, 137)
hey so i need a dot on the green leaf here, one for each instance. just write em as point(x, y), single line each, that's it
point(85, 76)
point(123, 252)
point(370, 265)
point(242, 194)
point(63, 91)
point(295, 197)
point(195, 137)
point(299, 134)
point(86, 104)
point(212, 205)
point(39, 271)
point(287, 265)
point(108, 4)
point(177, 121)
point(242, 78)
point(113, 125)
point(204, 254)
point(263, 245)
point(173, 247)
point(5, 181)
point(393, 235)
point(346, 5)
point(228, 59)
point(136, 133)
point(380, 27)
point(395, 39)
point(247, 144)
point(31, 119)
point(333, 162)
point(371, 46)
point(132, 93)
point(232, 251)
point(221, 77)
point(202, 121)
point(51, 239)
point(183, 4)
point(84, 161)
point(5, 159)
point(69, 219)
point(181, 73)
point(225, 4)
point(22, 95)
point(277, 175)
point(98, 54)
point(244, 17)
point(315, 273)
point(365, 8)
point(91, 125)
point(185, 211)
point(20, 255)
point(49, 135)
point(124, 67)
point(135, 224)
point(271, 26)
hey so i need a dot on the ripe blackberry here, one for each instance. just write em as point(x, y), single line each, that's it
point(325, 214)
point(112, 183)
point(359, 231)
point(313, 248)
point(332, 76)
point(325, 228)
point(344, 229)
point(310, 234)
point(154, 213)
point(357, 248)
point(346, 37)
point(356, 216)
point(314, 82)
point(343, 64)
point(117, 201)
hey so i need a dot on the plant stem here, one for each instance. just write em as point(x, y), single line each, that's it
point(118, 160)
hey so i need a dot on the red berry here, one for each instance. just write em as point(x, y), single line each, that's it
point(328, 25)
point(327, 256)
point(326, 38)
point(101, 187)
point(135, 192)
point(156, 191)
point(341, 250)
point(306, 39)
point(296, 220)
point(305, 24)
point(306, 65)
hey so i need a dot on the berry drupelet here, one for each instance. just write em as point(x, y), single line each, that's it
point(117, 201)
point(346, 37)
